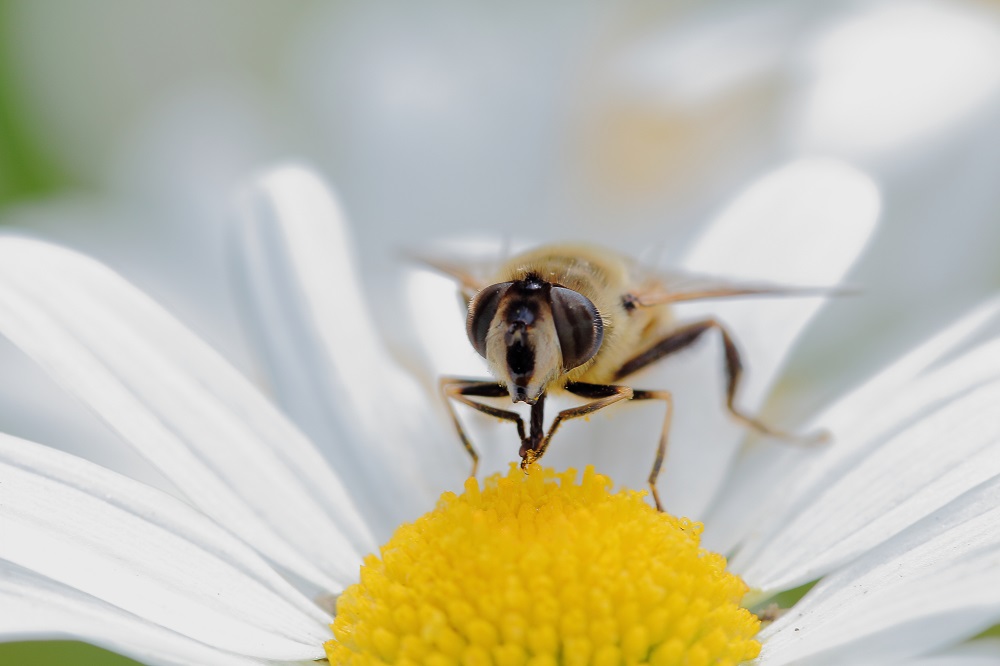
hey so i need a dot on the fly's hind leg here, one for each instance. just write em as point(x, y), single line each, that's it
point(686, 336)
point(463, 390)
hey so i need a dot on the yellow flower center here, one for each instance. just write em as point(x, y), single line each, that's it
point(538, 569)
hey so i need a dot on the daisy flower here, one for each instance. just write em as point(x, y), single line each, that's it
point(237, 564)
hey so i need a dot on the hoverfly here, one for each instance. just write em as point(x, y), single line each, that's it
point(582, 319)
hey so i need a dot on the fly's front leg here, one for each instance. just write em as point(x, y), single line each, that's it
point(661, 447)
point(601, 396)
point(463, 390)
point(685, 337)
point(610, 394)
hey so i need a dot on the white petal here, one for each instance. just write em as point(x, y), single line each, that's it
point(182, 406)
point(910, 471)
point(934, 584)
point(149, 554)
point(33, 607)
point(770, 480)
point(883, 78)
point(984, 652)
point(803, 224)
point(332, 370)
point(440, 324)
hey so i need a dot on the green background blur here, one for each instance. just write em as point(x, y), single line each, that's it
point(58, 653)
point(24, 171)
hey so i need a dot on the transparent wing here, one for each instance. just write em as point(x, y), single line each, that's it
point(435, 279)
point(466, 276)
point(674, 286)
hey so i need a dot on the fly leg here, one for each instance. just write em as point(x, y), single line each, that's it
point(463, 390)
point(661, 447)
point(686, 336)
point(605, 395)
point(600, 395)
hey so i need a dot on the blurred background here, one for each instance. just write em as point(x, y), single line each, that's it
point(125, 126)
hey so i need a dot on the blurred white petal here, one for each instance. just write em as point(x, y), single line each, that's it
point(457, 109)
point(435, 304)
point(803, 224)
point(982, 652)
point(896, 74)
point(439, 317)
point(332, 371)
point(194, 417)
point(34, 607)
point(658, 69)
point(149, 554)
point(931, 586)
point(771, 480)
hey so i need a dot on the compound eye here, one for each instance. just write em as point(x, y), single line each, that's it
point(578, 325)
point(482, 309)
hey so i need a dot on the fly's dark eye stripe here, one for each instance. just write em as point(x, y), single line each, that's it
point(579, 326)
point(482, 309)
